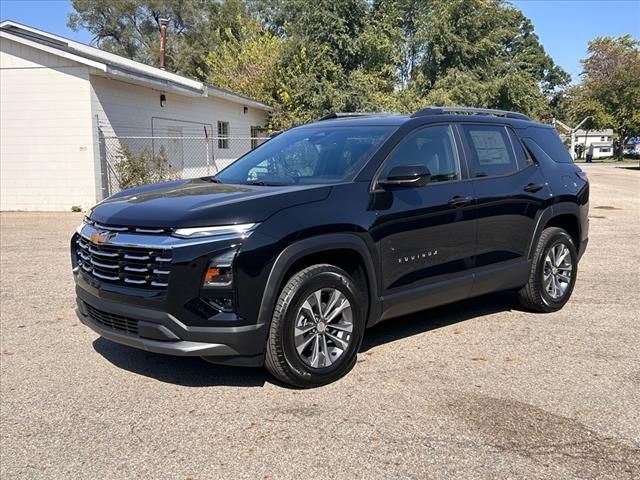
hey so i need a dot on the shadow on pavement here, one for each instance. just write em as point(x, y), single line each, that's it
point(185, 371)
point(195, 372)
point(426, 320)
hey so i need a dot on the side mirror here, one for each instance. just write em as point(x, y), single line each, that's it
point(406, 176)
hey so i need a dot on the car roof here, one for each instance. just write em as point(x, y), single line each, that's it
point(381, 119)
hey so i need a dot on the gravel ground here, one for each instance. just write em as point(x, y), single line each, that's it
point(473, 390)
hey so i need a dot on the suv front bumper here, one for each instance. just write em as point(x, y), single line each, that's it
point(160, 332)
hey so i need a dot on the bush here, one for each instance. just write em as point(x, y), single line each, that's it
point(134, 169)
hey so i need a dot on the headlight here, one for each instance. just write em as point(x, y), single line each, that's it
point(243, 230)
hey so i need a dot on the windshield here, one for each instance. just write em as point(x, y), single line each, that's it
point(307, 156)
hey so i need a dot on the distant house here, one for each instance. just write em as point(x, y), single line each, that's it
point(602, 141)
point(66, 106)
point(632, 147)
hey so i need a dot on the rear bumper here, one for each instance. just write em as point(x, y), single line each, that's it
point(160, 332)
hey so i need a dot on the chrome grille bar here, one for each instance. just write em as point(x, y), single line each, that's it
point(104, 265)
point(139, 267)
point(128, 256)
point(105, 277)
point(94, 251)
point(110, 228)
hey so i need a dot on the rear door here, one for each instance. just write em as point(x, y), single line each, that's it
point(510, 190)
point(425, 234)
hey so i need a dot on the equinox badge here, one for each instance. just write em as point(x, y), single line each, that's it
point(418, 256)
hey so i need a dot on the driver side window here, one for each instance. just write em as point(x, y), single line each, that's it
point(433, 147)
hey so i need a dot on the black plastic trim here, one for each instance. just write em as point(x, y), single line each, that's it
point(161, 332)
point(310, 246)
point(421, 298)
point(552, 211)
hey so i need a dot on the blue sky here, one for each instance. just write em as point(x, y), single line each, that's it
point(564, 26)
point(49, 15)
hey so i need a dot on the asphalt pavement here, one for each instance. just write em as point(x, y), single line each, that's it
point(479, 389)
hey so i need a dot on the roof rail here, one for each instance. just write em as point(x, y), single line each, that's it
point(334, 115)
point(469, 111)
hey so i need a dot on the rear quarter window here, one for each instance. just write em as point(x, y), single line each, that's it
point(549, 141)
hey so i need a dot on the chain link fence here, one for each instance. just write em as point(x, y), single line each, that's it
point(133, 160)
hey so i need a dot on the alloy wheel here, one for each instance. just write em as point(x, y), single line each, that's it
point(556, 274)
point(323, 328)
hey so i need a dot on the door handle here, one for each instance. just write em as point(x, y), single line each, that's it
point(533, 187)
point(459, 201)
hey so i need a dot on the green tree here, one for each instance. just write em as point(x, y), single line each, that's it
point(610, 87)
point(483, 53)
point(335, 56)
point(310, 58)
point(245, 60)
point(131, 28)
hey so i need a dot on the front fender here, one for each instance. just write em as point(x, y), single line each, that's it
point(314, 245)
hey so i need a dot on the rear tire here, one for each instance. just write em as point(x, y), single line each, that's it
point(317, 327)
point(553, 272)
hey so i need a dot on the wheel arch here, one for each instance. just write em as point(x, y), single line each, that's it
point(569, 223)
point(564, 215)
point(341, 250)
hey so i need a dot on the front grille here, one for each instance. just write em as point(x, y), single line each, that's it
point(130, 266)
point(113, 321)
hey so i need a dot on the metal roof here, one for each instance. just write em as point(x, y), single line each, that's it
point(116, 66)
point(607, 132)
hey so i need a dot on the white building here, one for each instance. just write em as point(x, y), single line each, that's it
point(66, 106)
point(602, 141)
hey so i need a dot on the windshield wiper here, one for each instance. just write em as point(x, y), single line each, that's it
point(211, 179)
point(263, 183)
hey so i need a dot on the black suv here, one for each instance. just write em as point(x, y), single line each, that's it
point(287, 255)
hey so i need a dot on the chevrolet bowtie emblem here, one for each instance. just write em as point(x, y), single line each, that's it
point(101, 237)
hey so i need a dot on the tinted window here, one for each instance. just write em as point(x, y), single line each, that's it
point(433, 147)
point(549, 141)
point(491, 151)
point(537, 151)
point(521, 155)
point(307, 156)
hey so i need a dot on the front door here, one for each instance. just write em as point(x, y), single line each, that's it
point(425, 234)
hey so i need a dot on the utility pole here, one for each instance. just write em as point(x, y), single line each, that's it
point(572, 134)
point(163, 40)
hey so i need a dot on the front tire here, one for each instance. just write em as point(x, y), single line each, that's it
point(317, 327)
point(553, 272)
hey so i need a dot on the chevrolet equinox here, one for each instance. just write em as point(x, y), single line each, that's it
point(286, 256)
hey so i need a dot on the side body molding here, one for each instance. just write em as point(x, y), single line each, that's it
point(314, 245)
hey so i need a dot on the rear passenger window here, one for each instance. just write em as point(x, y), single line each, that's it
point(491, 151)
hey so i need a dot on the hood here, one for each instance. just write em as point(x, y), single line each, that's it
point(199, 202)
